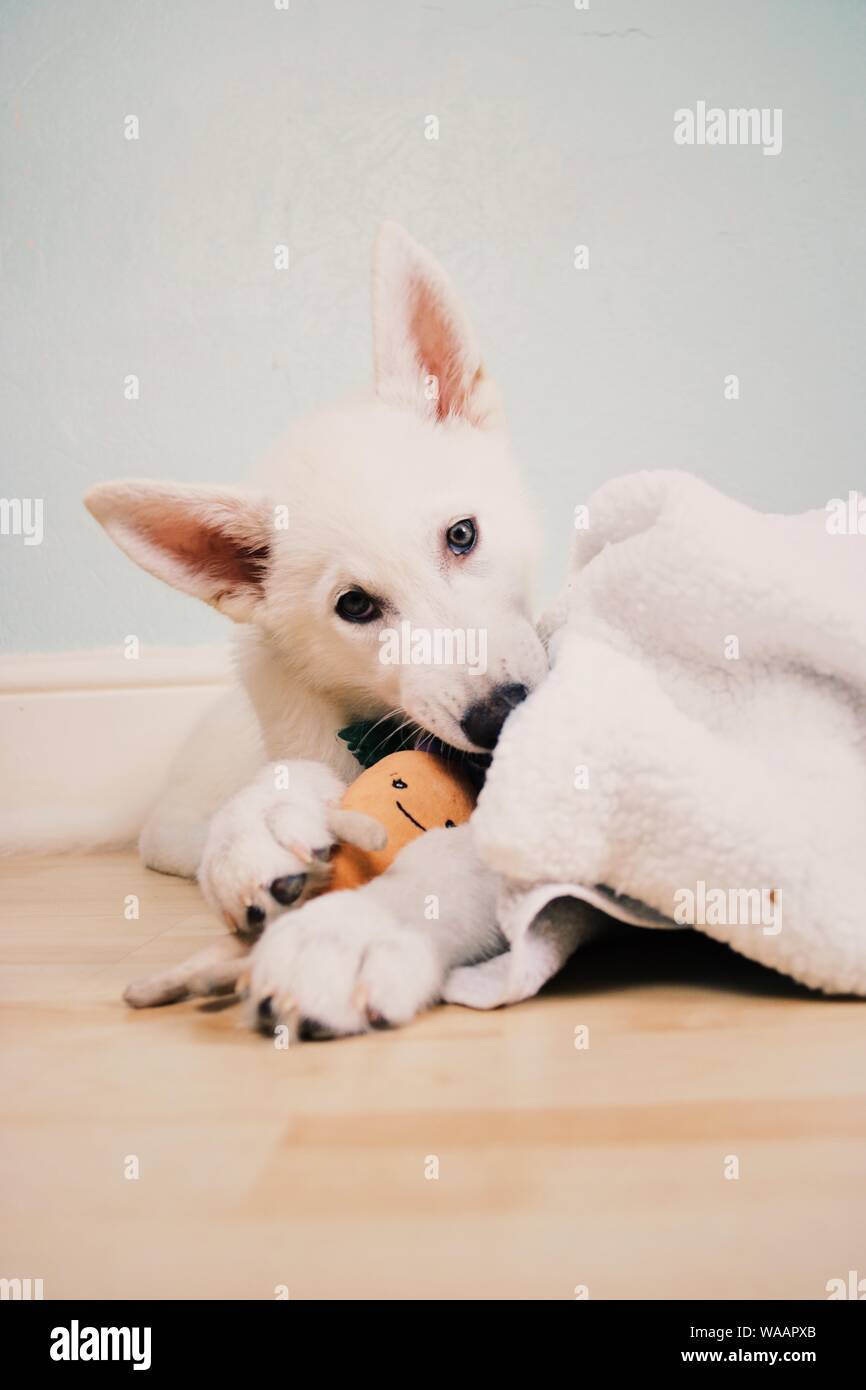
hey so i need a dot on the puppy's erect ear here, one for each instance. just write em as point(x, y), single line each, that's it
point(426, 356)
point(210, 542)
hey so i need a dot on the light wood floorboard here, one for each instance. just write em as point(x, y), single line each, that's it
point(558, 1167)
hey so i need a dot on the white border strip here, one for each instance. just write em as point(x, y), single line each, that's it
point(109, 669)
point(86, 739)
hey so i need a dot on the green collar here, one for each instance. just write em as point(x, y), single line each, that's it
point(370, 740)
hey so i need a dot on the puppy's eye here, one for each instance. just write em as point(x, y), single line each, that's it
point(461, 537)
point(356, 606)
point(399, 784)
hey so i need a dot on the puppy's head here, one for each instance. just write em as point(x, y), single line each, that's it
point(386, 552)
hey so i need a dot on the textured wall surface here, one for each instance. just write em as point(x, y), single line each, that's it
point(260, 126)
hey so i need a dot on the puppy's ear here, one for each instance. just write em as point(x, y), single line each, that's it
point(426, 356)
point(210, 542)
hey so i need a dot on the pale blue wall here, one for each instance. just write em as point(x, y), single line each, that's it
point(306, 127)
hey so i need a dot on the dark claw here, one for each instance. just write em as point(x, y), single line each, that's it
point(265, 1012)
point(376, 1020)
point(255, 917)
point(310, 1030)
point(288, 889)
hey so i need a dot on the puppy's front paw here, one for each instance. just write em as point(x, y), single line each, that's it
point(341, 965)
point(267, 847)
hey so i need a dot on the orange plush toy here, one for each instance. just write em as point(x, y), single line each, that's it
point(403, 795)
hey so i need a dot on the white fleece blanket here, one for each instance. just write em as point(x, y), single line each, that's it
point(697, 755)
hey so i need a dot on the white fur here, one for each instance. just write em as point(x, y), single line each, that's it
point(370, 490)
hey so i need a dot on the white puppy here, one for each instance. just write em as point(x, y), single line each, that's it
point(402, 507)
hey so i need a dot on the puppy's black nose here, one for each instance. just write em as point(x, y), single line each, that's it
point(482, 723)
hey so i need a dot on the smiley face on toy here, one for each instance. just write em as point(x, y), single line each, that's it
point(408, 794)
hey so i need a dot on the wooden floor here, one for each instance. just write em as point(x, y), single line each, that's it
point(558, 1167)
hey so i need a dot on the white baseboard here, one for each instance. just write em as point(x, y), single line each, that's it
point(86, 739)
